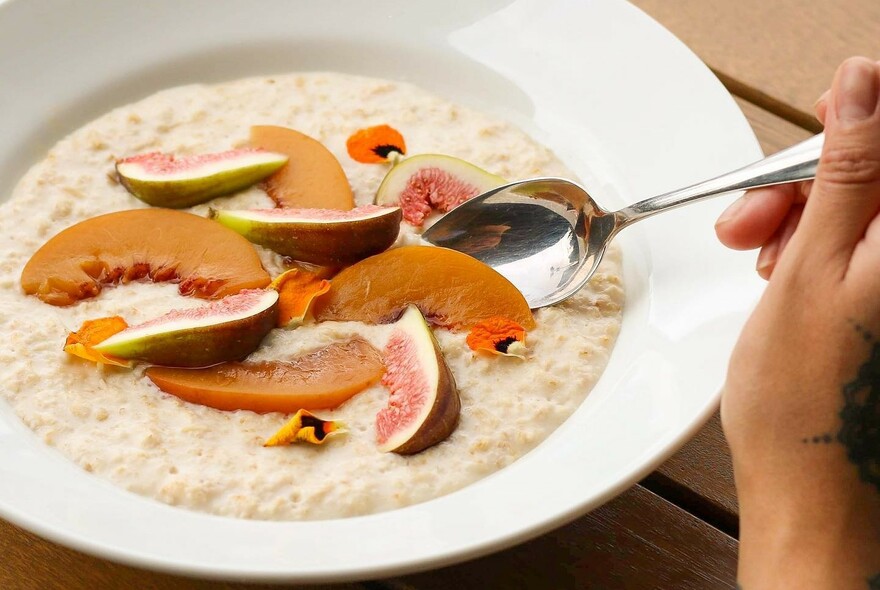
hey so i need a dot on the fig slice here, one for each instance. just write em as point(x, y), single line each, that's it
point(424, 405)
point(452, 289)
point(326, 237)
point(207, 259)
point(321, 379)
point(163, 180)
point(426, 182)
point(224, 330)
point(312, 177)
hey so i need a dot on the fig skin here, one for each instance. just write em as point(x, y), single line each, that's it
point(325, 243)
point(442, 419)
point(201, 346)
point(177, 193)
point(444, 415)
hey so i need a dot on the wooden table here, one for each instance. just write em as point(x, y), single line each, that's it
point(678, 527)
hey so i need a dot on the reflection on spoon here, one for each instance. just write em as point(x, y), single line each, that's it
point(547, 235)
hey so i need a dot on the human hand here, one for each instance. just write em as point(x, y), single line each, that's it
point(765, 218)
point(801, 405)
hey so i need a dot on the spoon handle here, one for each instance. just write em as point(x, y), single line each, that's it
point(790, 165)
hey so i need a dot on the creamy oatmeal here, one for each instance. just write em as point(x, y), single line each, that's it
point(117, 425)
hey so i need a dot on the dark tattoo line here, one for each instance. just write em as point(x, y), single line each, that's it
point(826, 438)
point(866, 335)
point(860, 418)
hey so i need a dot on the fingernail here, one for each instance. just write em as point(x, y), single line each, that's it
point(857, 91)
point(767, 258)
point(821, 99)
point(731, 211)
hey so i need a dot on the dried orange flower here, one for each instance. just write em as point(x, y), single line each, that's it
point(297, 289)
point(306, 427)
point(94, 332)
point(498, 335)
point(375, 145)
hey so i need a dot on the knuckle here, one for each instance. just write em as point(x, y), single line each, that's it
point(850, 165)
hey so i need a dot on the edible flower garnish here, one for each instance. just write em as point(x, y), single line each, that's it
point(297, 288)
point(498, 335)
point(94, 332)
point(376, 145)
point(306, 427)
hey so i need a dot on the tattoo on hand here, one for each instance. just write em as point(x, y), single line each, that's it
point(860, 417)
point(826, 439)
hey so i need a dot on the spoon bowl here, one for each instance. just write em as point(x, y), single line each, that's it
point(543, 235)
point(548, 236)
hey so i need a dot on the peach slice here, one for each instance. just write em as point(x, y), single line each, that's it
point(312, 177)
point(450, 288)
point(322, 379)
point(207, 259)
point(327, 237)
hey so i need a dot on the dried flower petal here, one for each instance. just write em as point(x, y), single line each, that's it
point(375, 145)
point(306, 427)
point(297, 289)
point(498, 335)
point(94, 332)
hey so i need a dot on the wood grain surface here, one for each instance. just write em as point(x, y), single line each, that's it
point(781, 54)
point(774, 133)
point(28, 562)
point(636, 541)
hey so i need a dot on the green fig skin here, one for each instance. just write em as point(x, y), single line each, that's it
point(443, 417)
point(181, 193)
point(325, 243)
point(203, 346)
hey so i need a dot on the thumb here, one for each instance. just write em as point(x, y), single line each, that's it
point(846, 193)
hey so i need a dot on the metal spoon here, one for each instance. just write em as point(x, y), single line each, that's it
point(547, 235)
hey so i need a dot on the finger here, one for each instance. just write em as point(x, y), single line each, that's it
point(752, 219)
point(773, 250)
point(804, 192)
point(821, 106)
point(846, 192)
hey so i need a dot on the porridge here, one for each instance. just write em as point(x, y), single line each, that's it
point(115, 423)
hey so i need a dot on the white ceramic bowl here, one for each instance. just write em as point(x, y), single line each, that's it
point(626, 105)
